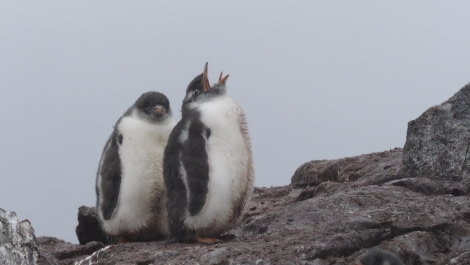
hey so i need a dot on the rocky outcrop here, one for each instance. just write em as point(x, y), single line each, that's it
point(372, 202)
point(437, 142)
point(58, 252)
point(17, 241)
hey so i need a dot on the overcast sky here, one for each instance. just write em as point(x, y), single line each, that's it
point(317, 80)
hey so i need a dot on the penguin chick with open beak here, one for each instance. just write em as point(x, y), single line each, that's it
point(208, 164)
point(131, 200)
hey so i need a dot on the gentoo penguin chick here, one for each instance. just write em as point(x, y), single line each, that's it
point(131, 200)
point(208, 167)
point(379, 257)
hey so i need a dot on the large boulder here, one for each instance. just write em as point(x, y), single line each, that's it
point(437, 142)
point(17, 241)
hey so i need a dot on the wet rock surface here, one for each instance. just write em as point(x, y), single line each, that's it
point(437, 142)
point(17, 241)
point(363, 202)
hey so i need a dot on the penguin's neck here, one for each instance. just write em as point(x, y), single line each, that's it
point(190, 108)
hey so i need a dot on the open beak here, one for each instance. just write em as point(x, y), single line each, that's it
point(205, 79)
point(222, 80)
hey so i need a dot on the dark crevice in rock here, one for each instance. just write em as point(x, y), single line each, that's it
point(311, 192)
point(145, 261)
point(347, 244)
point(397, 231)
point(307, 194)
point(371, 235)
point(86, 249)
point(435, 187)
point(409, 257)
point(340, 245)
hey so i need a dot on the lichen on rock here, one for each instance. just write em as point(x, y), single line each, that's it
point(438, 141)
point(17, 241)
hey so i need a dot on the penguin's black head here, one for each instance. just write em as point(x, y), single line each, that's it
point(153, 106)
point(199, 90)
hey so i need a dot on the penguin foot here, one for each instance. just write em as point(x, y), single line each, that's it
point(207, 240)
point(123, 239)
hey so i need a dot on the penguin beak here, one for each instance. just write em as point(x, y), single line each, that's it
point(205, 79)
point(158, 109)
point(222, 80)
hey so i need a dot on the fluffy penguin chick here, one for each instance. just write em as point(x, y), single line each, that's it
point(379, 257)
point(131, 200)
point(208, 167)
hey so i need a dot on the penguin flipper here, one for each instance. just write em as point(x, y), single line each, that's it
point(185, 166)
point(196, 164)
point(175, 187)
point(109, 177)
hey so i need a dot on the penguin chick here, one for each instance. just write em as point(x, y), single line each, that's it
point(131, 200)
point(208, 167)
point(379, 257)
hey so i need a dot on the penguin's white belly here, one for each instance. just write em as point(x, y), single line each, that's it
point(229, 157)
point(141, 154)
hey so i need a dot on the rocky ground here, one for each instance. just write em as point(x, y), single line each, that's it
point(413, 202)
point(332, 213)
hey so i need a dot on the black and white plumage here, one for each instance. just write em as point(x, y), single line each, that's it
point(208, 167)
point(379, 257)
point(129, 184)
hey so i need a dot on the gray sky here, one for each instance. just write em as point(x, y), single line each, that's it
point(316, 80)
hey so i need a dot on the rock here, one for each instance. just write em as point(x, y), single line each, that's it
point(88, 228)
point(56, 251)
point(379, 165)
point(17, 241)
point(437, 142)
point(372, 202)
point(216, 257)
